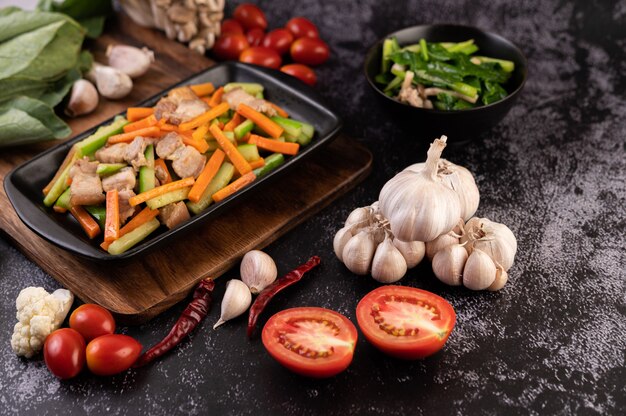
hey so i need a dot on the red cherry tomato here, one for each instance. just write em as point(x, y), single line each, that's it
point(112, 354)
point(310, 51)
point(313, 342)
point(250, 16)
point(231, 26)
point(405, 322)
point(261, 56)
point(255, 36)
point(302, 72)
point(278, 39)
point(64, 353)
point(301, 27)
point(230, 46)
point(92, 321)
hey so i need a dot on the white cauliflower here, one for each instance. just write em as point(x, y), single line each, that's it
point(38, 314)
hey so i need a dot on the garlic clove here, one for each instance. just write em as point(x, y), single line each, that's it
point(501, 278)
point(236, 301)
point(388, 265)
point(83, 99)
point(358, 252)
point(479, 272)
point(111, 83)
point(360, 216)
point(257, 270)
point(412, 251)
point(495, 239)
point(132, 61)
point(341, 239)
point(448, 264)
point(439, 243)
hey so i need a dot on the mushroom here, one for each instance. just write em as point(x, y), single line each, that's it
point(408, 93)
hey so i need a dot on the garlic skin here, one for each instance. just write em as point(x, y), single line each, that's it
point(236, 301)
point(495, 239)
point(501, 278)
point(257, 271)
point(358, 216)
point(111, 83)
point(388, 265)
point(419, 205)
point(341, 239)
point(358, 253)
point(439, 243)
point(448, 264)
point(479, 272)
point(83, 99)
point(132, 61)
point(412, 251)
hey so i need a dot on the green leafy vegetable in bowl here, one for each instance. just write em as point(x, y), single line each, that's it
point(444, 75)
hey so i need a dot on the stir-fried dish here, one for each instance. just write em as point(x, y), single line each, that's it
point(160, 165)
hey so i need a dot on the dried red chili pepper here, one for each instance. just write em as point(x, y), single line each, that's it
point(269, 292)
point(193, 314)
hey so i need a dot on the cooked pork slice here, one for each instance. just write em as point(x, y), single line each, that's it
point(126, 211)
point(112, 154)
point(238, 96)
point(173, 214)
point(83, 166)
point(124, 179)
point(408, 93)
point(160, 174)
point(189, 162)
point(86, 189)
point(134, 153)
point(181, 105)
point(164, 109)
point(168, 145)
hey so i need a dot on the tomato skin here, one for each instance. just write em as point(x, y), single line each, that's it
point(261, 56)
point(278, 39)
point(433, 325)
point(319, 326)
point(250, 16)
point(112, 354)
point(302, 72)
point(64, 353)
point(230, 46)
point(255, 36)
point(301, 27)
point(231, 26)
point(310, 51)
point(91, 321)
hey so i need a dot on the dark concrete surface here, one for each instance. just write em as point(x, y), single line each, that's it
point(552, 342)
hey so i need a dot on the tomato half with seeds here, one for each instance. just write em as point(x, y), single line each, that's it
point(405, 322)
point(313, 342)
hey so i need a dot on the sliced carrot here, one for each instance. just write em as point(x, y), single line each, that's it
point(69, 158)
point(137, 113)
point(246, 138)
point(85, 220)
point(112, 221)
point(203, 89)
point(168, 127)
point(153, 131)
point(274, 145)
point(260, 120)
point(141, 124)
point(207, 175)
point(216, 98)
point(69, 181)
point(279, 110)
point(143, 217)
point(200, 132)
point(206, 100)
point(257, 163)
point(200, 145)
point(234, 187)
point(241, 164)
point(234, 122)
point(160, 163)
point(205, 118)
point(59, 209)
point(160, 190)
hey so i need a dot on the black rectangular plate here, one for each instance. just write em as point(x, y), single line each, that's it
point(23, 184)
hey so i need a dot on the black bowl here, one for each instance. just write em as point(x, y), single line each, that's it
point(458, 125)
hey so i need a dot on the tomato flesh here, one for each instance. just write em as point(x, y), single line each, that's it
point(64, 353)
point(92, 321)
point(302, 72)
point(250, 16)
point(313, 342)
point(405, 322)
point(261, 56)
point(309, 51)
point(112, 354)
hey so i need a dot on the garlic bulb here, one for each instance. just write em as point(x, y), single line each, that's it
point(358, 252)
point(111, 82)
point(412, 251)
point(439, 243)
point(132, 61)
point(388, 265)
point(448, 264)
point(257, 270)
point(236, 301)
point(83, 99)
point(495, 239)
point(419, 205)
point(479, 272)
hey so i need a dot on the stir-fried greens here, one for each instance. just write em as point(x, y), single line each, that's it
point(445, 75)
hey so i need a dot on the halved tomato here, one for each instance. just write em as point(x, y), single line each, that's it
point(405, 322)
point(313, 342)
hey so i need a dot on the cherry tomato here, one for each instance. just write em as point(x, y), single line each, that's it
point(405, 322)
point(112, 354)
point(231, 26)
point(64, 353)
point(255, 36)
point(250, 16)
point(92, 321)
point(278, 39)
point(313, 342)
point(259, 55)
point(310, 51)
point(230, 46)
point(301, 27)
point(302, 72)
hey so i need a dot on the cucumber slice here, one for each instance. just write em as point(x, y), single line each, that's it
point(220, 180)
point(64, 200)
point(99, 213)
point(129, 240)
point(271, 162)
point(59, 187)
point(249, 152)
point(168, 198)
point(147, 178)
point(291, 127)
point(251, 88)
point(106, 169)
point(243, 129)
point(308, 130)
point(390, 46)
point(88, 146)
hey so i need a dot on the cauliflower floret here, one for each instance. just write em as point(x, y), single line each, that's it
point(39, 313)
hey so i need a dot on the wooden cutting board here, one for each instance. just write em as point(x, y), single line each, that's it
point(140, 289)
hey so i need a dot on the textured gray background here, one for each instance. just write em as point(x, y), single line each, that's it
point(552, 342)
